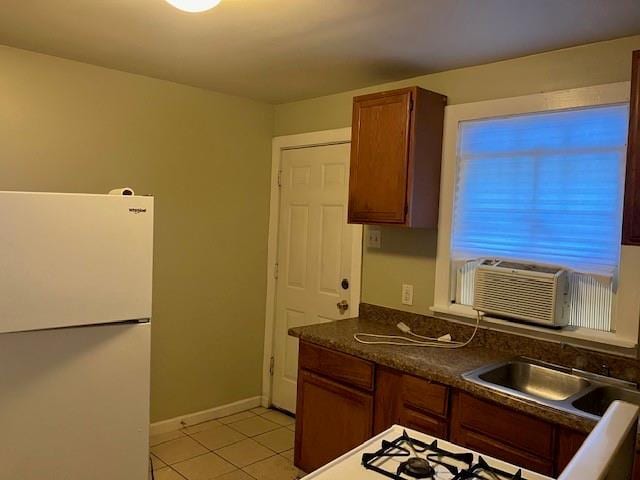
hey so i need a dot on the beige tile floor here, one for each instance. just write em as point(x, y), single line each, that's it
point(252, 445)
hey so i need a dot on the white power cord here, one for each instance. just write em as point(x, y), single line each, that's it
point(440, 342)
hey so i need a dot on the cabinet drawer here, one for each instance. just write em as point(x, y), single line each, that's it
point(424, 423)
point(336, 365)
point(507, 426)
point(484, 444)
point(425, 395)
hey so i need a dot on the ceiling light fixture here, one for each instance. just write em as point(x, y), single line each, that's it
point(193, 6)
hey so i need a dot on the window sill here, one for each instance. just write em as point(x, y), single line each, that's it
point(607, 342)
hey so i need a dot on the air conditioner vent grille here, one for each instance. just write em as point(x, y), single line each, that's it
point(521, 294)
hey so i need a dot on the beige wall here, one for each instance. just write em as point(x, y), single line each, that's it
point(409, 256)
point(68, 126)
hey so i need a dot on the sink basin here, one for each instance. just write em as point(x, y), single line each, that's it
point(535, 380)
point(573, 391)
point(596, 401)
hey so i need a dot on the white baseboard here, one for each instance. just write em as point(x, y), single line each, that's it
point(204, 415)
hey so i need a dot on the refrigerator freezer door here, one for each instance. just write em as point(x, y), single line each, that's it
point(74, 403)
point(74, 259)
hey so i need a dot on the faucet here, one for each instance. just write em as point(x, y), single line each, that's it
point(581, 360)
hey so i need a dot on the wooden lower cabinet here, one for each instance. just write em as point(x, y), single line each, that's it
point(512, 436)
point(387, 406)
point(337, 366)
point(569, 441)
point(410, 401)
point(331, 419)
point(495, 448)
point(428, 424)
point(343, 401)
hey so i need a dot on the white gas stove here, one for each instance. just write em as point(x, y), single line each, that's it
point(404, 454)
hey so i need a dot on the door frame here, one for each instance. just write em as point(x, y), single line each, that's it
point(279, 144)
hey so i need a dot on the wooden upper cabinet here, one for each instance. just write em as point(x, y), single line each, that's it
point(396, 150)
point(631, 214)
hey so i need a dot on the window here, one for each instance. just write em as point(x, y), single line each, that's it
point(581, 131)
point(544, 187)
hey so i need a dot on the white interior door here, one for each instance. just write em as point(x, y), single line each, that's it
point(317, 250)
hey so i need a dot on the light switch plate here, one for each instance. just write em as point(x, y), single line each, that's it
point(407, 294)
point(374, 237)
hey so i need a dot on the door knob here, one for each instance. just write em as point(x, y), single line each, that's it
point(343, 306)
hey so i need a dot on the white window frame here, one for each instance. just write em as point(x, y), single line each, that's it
point(626, 311)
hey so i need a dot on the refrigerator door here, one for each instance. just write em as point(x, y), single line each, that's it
point(74, 259)
point(74, 403)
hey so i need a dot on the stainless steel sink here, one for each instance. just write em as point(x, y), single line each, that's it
point(535, 380)
point(597, 400)
point(573, 391)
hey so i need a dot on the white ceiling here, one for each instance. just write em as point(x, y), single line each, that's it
point(282, 50)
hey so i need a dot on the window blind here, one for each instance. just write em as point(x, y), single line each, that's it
point(545, 187)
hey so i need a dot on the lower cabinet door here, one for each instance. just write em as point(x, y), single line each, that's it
point(483, 444)
point(504, 425)
point(500, 432)
point(569, 442)
point(331, 419)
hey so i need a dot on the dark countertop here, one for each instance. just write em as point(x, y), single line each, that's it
point(445, 366)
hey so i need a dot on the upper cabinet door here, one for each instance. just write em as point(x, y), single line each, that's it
point(631, 215)
point(379, 156)
point(396, 150)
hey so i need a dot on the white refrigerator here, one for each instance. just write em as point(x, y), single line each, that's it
point(75, 324)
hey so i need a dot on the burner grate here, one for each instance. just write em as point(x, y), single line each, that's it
point(483, 471)
point(405, 446)
point(417, 460)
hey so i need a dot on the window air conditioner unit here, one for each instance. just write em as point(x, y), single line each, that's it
point(521, 291)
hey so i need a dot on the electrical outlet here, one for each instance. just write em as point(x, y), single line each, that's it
point(374, 237)
point(407, 294)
